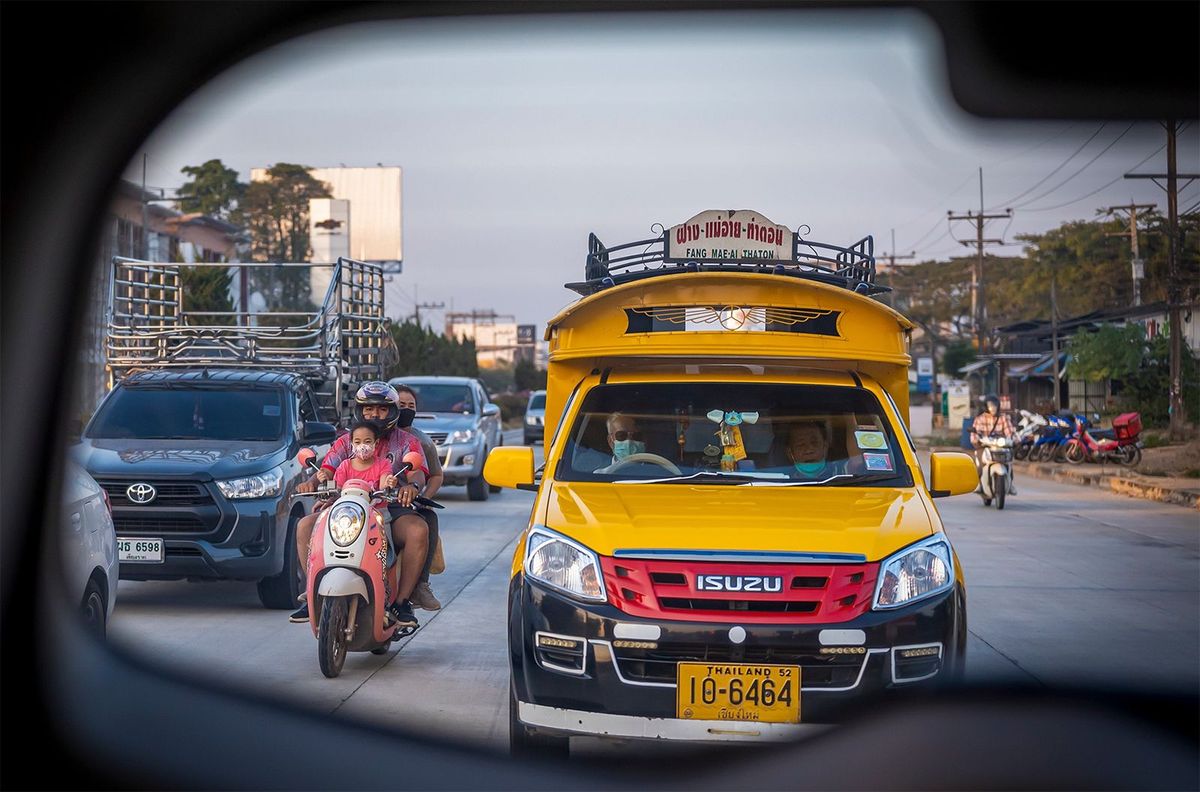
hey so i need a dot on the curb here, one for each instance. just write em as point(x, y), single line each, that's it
point(1120, 481)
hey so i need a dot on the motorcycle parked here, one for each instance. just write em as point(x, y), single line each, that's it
point(351, 571)
point(1123, 448)
point(1052, 439)
point(1028, 431)
point(995, 472)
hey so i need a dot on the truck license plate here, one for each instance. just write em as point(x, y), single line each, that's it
point(738, 692)
point(139, 551)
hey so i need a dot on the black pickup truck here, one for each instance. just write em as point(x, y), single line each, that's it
point(200, 466)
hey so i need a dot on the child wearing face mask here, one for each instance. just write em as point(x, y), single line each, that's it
point(363, 463)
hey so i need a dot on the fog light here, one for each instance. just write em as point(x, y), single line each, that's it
point(469, 459)
point(928, 651)
point(635, 645)
point(843, 650)
point(552, 642)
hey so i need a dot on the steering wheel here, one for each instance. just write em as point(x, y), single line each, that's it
point(633, 459)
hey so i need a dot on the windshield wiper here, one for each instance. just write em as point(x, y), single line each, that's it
point(838, 480)
point(865, 479)
point(724, 477)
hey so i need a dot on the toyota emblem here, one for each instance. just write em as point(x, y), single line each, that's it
point(141, 493)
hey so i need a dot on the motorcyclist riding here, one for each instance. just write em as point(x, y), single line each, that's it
point(991, 423)
point(379, 403)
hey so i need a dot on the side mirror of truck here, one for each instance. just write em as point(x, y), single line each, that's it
point(951, 473)
point(490, 409)
point(318, 433)
point(510, 466)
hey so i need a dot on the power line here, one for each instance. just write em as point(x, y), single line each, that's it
point(1098, 189)
point(1049, 175)
point(942, 200)
point(1086, 165)
point(978, 303)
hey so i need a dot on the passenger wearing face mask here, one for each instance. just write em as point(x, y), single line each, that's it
point(808, 451)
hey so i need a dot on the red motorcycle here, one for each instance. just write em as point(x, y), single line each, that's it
point(1123, 448)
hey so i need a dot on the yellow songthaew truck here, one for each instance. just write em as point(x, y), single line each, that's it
point(732, 536)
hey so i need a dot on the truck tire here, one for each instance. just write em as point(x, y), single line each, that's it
point(477, 489)
point(279, 592)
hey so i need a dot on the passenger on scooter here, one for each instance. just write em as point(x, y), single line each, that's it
point(378, 403)
point(365, 464)
point(991, 423)
point(422, 596)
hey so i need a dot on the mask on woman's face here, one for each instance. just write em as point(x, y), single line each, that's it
point(809, 468)
point(407, 414)
point(364, 450)
point(625, 448)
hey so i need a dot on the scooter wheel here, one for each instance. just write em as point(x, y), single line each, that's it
point(1130, 456)
point(999, 485)
point(1075, 453)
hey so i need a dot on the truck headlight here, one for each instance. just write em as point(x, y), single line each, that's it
point(918, 571)
point(564, 565)
point(264, 485)
point(346, 523)
point(462, 436)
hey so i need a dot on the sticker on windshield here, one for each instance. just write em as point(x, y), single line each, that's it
point(872, 440)
point(878, 462)
point(271, 410)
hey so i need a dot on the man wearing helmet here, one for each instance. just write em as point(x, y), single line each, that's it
point(991, 423)
point(379, 403)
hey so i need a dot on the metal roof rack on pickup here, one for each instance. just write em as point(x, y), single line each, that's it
point(737, 240)
point(342, 341)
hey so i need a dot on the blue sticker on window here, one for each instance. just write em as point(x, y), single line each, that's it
point(878, 461)
point(271, 410)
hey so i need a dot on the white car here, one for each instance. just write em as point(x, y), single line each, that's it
point(89, 547)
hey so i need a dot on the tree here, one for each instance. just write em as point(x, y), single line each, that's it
point(419, 350)
point(206, 289)
point(275, 210)
point(1111, 352)
point(528, 377)
point(957, 355)
point(213, 189)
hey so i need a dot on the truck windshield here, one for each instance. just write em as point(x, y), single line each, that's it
point(442, 398)
point(734, 433)
point(537, 401)
point(190, 414)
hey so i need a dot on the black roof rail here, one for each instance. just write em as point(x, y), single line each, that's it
point(851, 266)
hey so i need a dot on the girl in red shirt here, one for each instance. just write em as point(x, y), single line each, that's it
point(362, 463)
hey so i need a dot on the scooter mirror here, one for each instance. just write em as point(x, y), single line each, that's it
point(307, 458)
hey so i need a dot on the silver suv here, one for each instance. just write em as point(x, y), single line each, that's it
point(459, 417)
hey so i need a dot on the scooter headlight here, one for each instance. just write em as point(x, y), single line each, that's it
point(916, 572)
point(346, 523)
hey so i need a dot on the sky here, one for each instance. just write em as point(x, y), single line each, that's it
point(519, 136)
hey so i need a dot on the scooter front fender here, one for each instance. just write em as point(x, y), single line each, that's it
point(342, 582)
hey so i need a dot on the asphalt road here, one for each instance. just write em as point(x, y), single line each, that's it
point(1067, 585)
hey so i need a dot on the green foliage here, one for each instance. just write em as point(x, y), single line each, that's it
point(528, 377)
point(206, 289)
point(498, 379)
point(1147, 389)
point(419, 351)
point(1111, 352)
point(213, 189)
point(275, 210)
point(957, 355)
point(512, 405)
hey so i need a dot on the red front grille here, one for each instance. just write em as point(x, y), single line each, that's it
point(801, 593)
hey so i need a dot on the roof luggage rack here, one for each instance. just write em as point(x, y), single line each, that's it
point(336, 344)
point(730, 241)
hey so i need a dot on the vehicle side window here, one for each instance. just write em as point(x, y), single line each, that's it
point(308, 410)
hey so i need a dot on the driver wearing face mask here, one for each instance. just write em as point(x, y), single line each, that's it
point(624, 437)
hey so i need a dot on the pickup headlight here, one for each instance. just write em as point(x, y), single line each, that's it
point(564, 565)
point(533, 420)
point(264, 485)
point(346, 523)
point(462, 435)
point(916, 572)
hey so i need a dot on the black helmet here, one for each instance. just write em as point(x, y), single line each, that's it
point(381, 393)
point(991, 398)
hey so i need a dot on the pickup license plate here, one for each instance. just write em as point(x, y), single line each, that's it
point(738, 692)
point(139, 551)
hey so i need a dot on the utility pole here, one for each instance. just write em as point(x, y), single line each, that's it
point(978, 303)
point(1174, 284)
point(892, 258)
point(1138, 265)
point(1054, 334)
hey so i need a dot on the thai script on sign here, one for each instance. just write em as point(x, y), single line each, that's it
point(718, 235)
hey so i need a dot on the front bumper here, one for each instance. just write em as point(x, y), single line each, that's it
point(616, 690)
point(233, 540)
point(455, 465)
